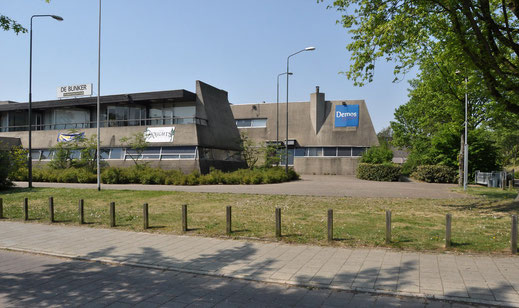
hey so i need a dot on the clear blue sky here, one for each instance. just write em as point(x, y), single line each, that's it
point(238, 46)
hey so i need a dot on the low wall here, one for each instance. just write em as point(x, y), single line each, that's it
point(326, 165)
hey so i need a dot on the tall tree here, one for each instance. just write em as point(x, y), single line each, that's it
point(484, 33)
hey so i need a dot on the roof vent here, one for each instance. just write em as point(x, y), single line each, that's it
point(316, 89)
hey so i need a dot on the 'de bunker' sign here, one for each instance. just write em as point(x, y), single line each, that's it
point(76, 90)
point(159, 134)
point(346, 115)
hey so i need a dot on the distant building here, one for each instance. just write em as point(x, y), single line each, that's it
point(187, 131)
point(325, 137)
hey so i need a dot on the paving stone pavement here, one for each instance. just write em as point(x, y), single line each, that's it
point(28, 280)
point(476, 279)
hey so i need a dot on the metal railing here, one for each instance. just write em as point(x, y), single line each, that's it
point(109, 123)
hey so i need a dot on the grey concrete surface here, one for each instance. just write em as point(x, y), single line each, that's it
point(480, 279)
point(41, 281)
point(309, 185)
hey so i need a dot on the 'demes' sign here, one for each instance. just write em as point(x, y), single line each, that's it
point(346, 115)
point(75, 90)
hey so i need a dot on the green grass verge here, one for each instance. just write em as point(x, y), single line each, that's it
point(480, 223)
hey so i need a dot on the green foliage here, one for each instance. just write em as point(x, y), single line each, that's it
point(18, 161)
point(272, 156)
point(5, 169)
point(435, 174)
point(377, 155)
point(136, 142)
point(250, 151)
point(379, 172)
point(479, 35)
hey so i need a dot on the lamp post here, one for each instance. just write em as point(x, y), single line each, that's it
point(465, 143)
point(98, 124)
point(287, 73)
point(29, 163)
point(277, 109)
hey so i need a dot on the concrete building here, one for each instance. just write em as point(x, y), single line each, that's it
point(325, 137)
point(184, 130)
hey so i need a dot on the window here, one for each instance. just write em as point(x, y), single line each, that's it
point(344, 151)
point(243, 123)
point(35, 154)
point(315, 151)
point(357, 151)
point(105, 153)
point(330, 151)
point(46, 154)
point(116, 153)
point(178, 152)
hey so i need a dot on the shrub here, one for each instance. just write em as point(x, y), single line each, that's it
point(379, 172)
point(435, 174)
point(377, 155)
point(111, 175)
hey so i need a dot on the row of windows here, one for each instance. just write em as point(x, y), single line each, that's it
point(328, 151)
point(153, 153)
point(244, 123)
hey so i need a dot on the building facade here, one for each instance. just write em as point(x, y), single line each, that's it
point(324, 137)
point(186, 131)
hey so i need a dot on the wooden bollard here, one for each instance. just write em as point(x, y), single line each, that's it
point(278, 222)
point(51, 209)
point(510, 184)
point(81, 212)
point(112, 214)
point(1, 208)
point(513, 245)
point(145, 216)
point(388, 227)
point(228, 215)
point(26, 209)
point(184, 217)
point(330, 225)
point(448, 224)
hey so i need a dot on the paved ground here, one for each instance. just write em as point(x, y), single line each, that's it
point(35, 280)
point(312, 185)
point(476, 279)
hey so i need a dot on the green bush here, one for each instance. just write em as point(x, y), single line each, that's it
point(379, 172)
point(435, 174)
point(377, 155)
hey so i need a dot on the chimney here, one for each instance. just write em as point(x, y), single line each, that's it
point(317, 109)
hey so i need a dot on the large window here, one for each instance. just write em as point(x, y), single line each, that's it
point(244, 123)
point(329, 151)
point(71, 118)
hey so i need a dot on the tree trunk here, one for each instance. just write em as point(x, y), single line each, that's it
point(460, 161)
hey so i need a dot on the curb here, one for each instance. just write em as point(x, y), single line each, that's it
point(268, 280)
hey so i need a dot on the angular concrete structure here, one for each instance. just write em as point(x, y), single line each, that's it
point(318, 141)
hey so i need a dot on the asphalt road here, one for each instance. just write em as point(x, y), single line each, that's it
point(309, 185)
point(28, 280)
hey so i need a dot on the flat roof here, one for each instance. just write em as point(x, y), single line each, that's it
point(172, 95)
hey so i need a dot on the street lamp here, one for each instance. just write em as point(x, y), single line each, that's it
point(98, 105)
point(465, 144)
point(277, 110)
point(29, 163)
point(287, 73)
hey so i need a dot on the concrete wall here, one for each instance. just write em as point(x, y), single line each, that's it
point(326, 165)
point(6, 143)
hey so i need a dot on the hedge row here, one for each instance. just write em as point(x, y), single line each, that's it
point(379, 172)
point(435, 174)
point(147, 175)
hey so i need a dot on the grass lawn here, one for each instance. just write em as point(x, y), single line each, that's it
point(480, 223)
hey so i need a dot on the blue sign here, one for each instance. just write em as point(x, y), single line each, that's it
point(346, 115)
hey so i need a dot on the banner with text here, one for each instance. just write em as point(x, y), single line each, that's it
point(159, 134)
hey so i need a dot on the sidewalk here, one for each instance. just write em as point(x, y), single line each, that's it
point(488, 280)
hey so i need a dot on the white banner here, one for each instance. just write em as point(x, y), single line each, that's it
point(75, 90)
point(159, 134)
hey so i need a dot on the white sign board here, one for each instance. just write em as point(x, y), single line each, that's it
point(75, 90)
point(159, 134)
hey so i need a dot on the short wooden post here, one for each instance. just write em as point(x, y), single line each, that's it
point(26, 209)
point(278, 222)
point(112, 214)
point(388, 227)
point(51, 209)
point(145, 216)
point(1, 208)
point(330, 225)
point(448, 224)
point(81, 212)
point(514, 235)
point(229, 219)
point(184, 217)
point(510, 184)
